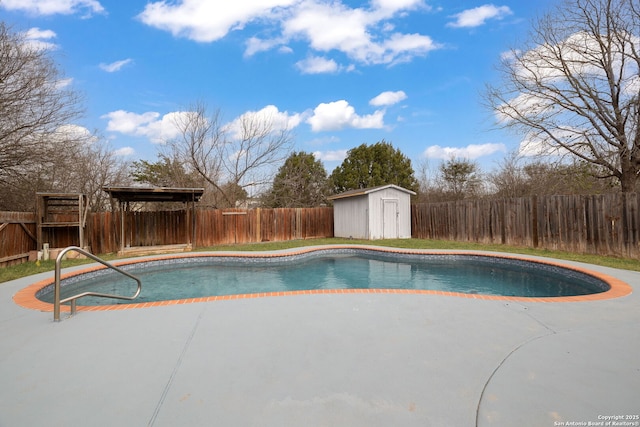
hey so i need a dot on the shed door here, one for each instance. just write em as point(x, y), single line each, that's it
point(389, 218)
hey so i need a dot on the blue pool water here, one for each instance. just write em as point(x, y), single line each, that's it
point(336, 269)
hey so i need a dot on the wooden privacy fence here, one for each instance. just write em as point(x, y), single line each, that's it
point(227, 226)
point(212, 227)
point(141, 229)
point(603, 224)
point(17, 237)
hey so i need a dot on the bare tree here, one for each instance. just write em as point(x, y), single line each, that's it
point(574, 90)
point(428, 178)
point(510, 178)
point(460, 179)
point(98, 166)
point(81, 168)
point(239, 155)
point(521, 177)
point(35, 104)
point(40, 147)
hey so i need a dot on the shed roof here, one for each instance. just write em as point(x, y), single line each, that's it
point(365, 191)
point(154, 194)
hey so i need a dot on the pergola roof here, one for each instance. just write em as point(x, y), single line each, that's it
point(154, 194)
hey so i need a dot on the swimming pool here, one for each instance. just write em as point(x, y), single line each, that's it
point(342, 269)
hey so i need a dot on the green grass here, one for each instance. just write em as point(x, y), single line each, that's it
point(29, 268)
point(607, 261)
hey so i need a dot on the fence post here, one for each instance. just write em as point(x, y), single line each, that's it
point(503, 223)
point(534, 221)
point(258, 223)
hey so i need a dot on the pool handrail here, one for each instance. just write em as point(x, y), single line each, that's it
point(56, 288)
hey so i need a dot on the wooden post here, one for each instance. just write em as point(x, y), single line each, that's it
point(188, 226)
point(503, 223)
point(122, 235)
point(80, 221)
point(258, 223)
point(39, 214)
point(193, 221)
point(534, 221)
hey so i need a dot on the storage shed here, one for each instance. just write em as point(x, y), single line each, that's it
point(382, 212)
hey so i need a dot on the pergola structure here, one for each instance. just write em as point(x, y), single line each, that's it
point(127, 195)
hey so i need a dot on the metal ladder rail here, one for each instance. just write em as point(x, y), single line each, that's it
point(56, 290)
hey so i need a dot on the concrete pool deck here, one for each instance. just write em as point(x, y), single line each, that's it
point(358, 359)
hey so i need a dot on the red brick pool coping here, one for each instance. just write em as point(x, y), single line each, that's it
point(26, 297)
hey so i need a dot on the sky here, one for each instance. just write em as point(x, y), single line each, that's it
point(336, 73)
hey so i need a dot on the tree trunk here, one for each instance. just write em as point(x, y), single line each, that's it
point(628, 178)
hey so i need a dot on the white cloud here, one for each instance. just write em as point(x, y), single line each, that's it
point(510, 55)
point(269, 117)
point(394, 5)
point(317, 65)
point(53, 7)
point(534, 148)
point(363, 34)
point(330, 156)
point(388, 98)
point(162, 128)
point(403, 47)
point(125, 122)
point(205, 20)
point(38, 39)
point(63, 83)
point(69, 132)
point(115, 66)
point(578, 54)
point(165, 129)
point(333, 26)
point(124, 151)
point(541, 144)
point(36, 34)
point(472, 151)
point(340, 115)
point(150, 125)
point(329, 26)
point(478, 16)
point(525, 104)
point(255, 45)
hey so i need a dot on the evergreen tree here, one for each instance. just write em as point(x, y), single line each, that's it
point(371, 166)
point(167, 171)
point(300, 182)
